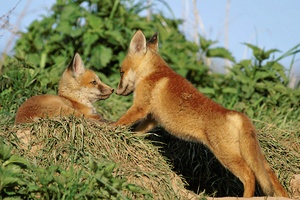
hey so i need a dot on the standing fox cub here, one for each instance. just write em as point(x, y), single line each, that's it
point(78, 89)
point(163, 97)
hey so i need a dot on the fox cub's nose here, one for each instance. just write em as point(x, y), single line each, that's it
point(112, 90)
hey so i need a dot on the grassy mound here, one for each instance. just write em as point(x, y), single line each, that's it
point(74, 158)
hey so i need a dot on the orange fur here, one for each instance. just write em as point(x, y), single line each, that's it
point(78, 89)
point(163, 97)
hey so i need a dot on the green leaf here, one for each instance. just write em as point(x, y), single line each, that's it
point(269, 52)
point(240, 76)
point(64, 27)
point(207, 90)
point(220, 53)
point(114, 37)
point(94, 21)
point(280, 88)
point(230, 90)
point(101, 56)
point(8, 181)
point(264, 74)
point(260, 85)
point(55, 38)
point(38, 42)
point(14, 159)
point(182, 72)
point(34, 59)
point(77, 32)
point(70, 11)
point(90, 38)
point(245, 63)
point(259, 53)
point(256, 50)
point(4, 152)
point(281, 71)
point(205, 44)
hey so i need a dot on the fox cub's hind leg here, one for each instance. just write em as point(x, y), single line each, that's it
point(237, 165)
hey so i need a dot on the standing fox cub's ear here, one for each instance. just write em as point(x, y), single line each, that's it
point(153, 42)
point(138, 43)
point(77, 66)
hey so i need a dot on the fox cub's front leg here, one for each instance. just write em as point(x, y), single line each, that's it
point(133, 115)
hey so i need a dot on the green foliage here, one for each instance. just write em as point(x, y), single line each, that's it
point(214, 52)
point(260, 54)
point(19, 83)
point(58, 183)
point(14, 91)
point(259, 84)
point(198, 73)
point(100, 31)
point(20, 179)
point(11, 167)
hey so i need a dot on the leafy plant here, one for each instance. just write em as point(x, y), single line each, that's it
point(11, 167)
point(19, 83)
point(19, 178)
point(256, 84)
point(213, 52)
point(100, 31)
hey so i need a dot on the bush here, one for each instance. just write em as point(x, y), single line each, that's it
point(100, 31)
point(257, 86)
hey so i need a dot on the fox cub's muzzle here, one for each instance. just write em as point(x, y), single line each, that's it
point(124, 90)
point(126, 84)
point(105, 91)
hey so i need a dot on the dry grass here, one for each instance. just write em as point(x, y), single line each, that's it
point(281, 147)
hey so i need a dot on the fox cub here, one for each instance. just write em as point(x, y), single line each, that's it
point(163, 97)
point(78, 89)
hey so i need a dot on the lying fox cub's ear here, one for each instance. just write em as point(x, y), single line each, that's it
point(77, 66)
point(138, 43)
point(153, 42)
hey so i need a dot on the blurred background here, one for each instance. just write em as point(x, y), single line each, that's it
point(267, 24)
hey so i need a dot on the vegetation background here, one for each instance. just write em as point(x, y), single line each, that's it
point(100, 30)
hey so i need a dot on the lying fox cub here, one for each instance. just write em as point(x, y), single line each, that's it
point(163, 97)
point(78, 89)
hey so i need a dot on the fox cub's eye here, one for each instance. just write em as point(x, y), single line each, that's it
point(94, 82)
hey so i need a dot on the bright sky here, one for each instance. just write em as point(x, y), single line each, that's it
point(266, 23)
